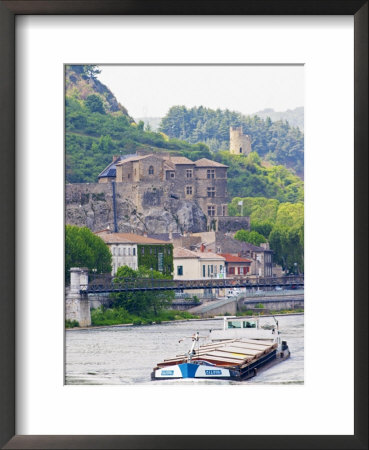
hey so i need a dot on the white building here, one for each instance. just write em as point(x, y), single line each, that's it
point(190, 265)
point(124, 248)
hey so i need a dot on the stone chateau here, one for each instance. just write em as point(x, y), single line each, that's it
point(203, 181)
point(158, 192)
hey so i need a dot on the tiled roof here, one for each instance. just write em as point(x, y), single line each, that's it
point(132, 159)
point(110, 170)
point(127, 238)
point(180, 160)
point(180, 252)
point(232, 258)
point(253, 248)
point(169, 165)
point(203, 162)
point(210, 255)
point(164, 236)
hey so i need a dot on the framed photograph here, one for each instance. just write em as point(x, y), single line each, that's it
point(143, 130)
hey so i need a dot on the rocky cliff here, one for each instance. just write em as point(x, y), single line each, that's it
point(92, 205)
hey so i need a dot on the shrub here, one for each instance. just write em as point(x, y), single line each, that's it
point(71, 323)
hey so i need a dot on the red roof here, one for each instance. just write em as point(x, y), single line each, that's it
point(235, 259)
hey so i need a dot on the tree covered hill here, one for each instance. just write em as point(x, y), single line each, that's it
point(277, 142)
point(249, 177)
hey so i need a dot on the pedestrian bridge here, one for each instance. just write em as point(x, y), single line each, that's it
point(107, 283)
point(82, 284)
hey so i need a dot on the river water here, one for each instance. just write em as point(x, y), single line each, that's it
point(127, 355)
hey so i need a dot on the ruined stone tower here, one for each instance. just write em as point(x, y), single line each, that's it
point(239, 143)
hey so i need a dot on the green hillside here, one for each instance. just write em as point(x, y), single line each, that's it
point(277, 142)
point(248, 176)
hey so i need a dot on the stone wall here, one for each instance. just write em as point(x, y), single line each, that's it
point(140, 207)
point(275, 304)
point(219, 309)
point(226, 224)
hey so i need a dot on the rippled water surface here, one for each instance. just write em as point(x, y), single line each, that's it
point(126, 355)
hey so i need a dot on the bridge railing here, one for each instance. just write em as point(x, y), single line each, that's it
point(108, 283)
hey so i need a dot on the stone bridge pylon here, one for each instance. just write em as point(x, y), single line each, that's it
point(77, 304)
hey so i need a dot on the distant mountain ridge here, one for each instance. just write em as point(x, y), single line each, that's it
point(295, 117)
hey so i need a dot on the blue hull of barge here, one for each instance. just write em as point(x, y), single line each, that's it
point(203, 370)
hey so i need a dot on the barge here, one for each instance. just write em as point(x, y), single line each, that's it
point(237, 352)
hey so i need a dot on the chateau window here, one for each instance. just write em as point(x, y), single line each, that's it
point(240, 149)
point(129, 251)
point(211, 192)
point(224, 210)
point(179, 270)
point(189, 190)
point(151, 170)
point(211, 173)
point(231, 271)
point(142, 250)
point(134, 252)
point(129, 175)
point(203, 271)
point(188, 173)
point(211, 211)
point(171, 174)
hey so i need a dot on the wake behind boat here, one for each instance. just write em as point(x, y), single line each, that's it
point(237, 352)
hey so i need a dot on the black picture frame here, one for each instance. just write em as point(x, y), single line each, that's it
point(8, 12)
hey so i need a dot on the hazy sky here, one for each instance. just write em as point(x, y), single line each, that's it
point(149, 91)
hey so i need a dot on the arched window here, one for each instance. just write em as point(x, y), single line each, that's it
point(151, 170)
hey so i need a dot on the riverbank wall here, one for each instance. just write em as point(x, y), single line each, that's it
point(272, 304)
